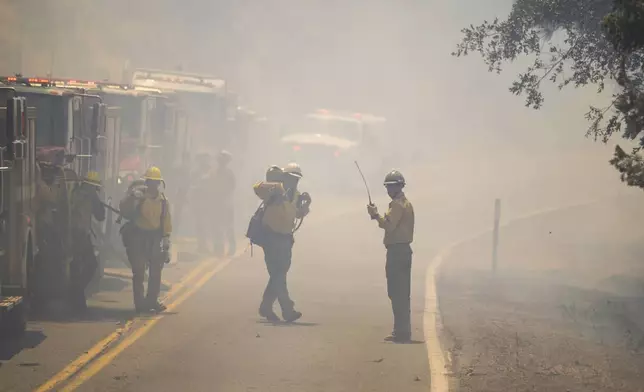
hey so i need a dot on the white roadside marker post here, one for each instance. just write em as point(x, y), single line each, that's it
point(495, 233)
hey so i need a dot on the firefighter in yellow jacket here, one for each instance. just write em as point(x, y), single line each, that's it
point(283, 205)
point(398, 224)
point(146, 237)
point(86, 205)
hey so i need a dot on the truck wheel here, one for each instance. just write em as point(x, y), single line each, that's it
point(15, 321)
point(18, 320)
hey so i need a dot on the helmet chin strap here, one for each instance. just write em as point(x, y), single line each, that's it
point(290, 193)
point(291, 186)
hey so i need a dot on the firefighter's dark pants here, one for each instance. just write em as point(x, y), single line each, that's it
point(144, 250)
point(82, 268)
point(398, 270)
point(277, 255)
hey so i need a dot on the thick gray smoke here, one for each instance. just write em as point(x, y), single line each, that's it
point(288, 56)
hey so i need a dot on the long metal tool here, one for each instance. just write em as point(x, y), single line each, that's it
point(365, 181)
point(109, 207)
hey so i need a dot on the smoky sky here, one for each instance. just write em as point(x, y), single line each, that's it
point(290, 56)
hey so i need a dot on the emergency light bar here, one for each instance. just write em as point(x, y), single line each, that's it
point(148, 89)
point(348, 116)
point(89, 84)
point(177, 81)
point(48, 82)
point(73, 83)
point(35, 82)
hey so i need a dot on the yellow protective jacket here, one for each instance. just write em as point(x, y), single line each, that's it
point(280, 213)
point(398, 222)
point(146, 212)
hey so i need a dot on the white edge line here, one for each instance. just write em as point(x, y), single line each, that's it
point(432, 323)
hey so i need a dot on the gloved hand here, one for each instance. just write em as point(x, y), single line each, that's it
point(372, 210)
point(138, 193)
point(165, 243)
point(165, 249)
point(303, 203)
point(305, 198)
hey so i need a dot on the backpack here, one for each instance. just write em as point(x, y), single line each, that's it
point(129, 227)
point(257, 232)
point(130, 208)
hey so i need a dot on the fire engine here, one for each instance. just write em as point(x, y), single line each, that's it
point(204, 98)
point(71, 138)
point(324, 139)
point(136, 109)
point(153, 133)
point(154, 127)
point(17, 190)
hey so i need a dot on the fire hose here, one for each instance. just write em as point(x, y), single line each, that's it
point(303, 201)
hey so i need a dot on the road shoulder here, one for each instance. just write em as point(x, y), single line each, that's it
point(552, 318)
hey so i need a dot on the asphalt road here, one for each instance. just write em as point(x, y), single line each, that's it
point(55, 338)
point(214, 340)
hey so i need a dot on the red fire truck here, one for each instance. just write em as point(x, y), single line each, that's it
point(154, 127)
point(204, 98)
point(153, 133)
point(17, 190)
point(73, 135)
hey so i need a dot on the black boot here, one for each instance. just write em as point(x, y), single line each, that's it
point(77, 301)
point(292, 316)
point(268, 314)
point(398, 338)
point(158, 307)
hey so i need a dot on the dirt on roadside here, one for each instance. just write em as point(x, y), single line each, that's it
point(560, 314)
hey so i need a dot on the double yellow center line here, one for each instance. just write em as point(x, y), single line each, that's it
point(104, 352)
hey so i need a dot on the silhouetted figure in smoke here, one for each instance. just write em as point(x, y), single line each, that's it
point(224, 206)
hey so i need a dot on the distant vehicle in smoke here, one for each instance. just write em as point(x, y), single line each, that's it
point(326, 143)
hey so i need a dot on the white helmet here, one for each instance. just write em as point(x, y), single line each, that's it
point(224, 156)
point(293, 169)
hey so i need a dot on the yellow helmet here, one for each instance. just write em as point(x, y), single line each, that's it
point(153, 173)
point(93, 178)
